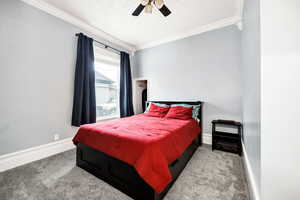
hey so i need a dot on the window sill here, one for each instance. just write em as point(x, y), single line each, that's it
point(102, 119)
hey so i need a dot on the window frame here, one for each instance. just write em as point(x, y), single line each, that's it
point(110, 59)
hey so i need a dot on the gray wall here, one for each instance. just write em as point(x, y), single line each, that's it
point(37, 64)
point(205, 67)
point(251, 86)
point(280, 31)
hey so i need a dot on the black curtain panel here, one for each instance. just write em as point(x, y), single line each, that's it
point(84, 102)
point(126, 106)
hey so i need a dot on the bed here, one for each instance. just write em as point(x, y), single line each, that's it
point(128, 163)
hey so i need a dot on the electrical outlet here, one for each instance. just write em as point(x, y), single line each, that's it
point(56, 136)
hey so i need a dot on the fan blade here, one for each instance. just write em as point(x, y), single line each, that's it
point(165, 10)
point(138, 10)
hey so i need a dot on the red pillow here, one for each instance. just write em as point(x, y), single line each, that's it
point(180, 112)
point(157, 111)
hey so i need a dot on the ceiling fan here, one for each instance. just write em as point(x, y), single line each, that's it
point(148, 5)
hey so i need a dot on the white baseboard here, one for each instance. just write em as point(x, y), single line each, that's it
point(12, 160)
point(207, 138)
point(250, 176)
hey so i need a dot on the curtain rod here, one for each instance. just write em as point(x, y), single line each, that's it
point(105, 45)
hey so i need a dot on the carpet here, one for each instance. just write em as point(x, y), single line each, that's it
point(208, 176)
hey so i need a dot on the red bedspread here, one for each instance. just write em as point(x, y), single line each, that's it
point(149, 144)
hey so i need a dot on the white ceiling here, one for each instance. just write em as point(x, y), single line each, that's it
point(114, 17)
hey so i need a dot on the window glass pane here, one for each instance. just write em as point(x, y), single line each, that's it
point(107, 89)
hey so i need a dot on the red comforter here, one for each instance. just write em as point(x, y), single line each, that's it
point(149, 144)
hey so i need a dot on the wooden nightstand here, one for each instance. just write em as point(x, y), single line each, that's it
point(226, 140)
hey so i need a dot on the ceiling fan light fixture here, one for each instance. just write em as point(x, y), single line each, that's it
point(148, 8)
point(145, 2)
point(159, 3)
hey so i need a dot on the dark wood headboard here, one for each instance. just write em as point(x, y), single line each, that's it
point(200, 116)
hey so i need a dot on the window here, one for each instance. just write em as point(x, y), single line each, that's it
point(107, 73)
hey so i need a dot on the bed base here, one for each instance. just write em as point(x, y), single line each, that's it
point(123, 176)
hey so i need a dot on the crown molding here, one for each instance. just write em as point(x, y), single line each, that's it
point(79, 23)
point(240, 25)
point(240, 10)
point(46, 7)
point(202, 29)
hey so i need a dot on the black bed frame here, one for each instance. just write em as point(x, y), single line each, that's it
point(123, 176)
